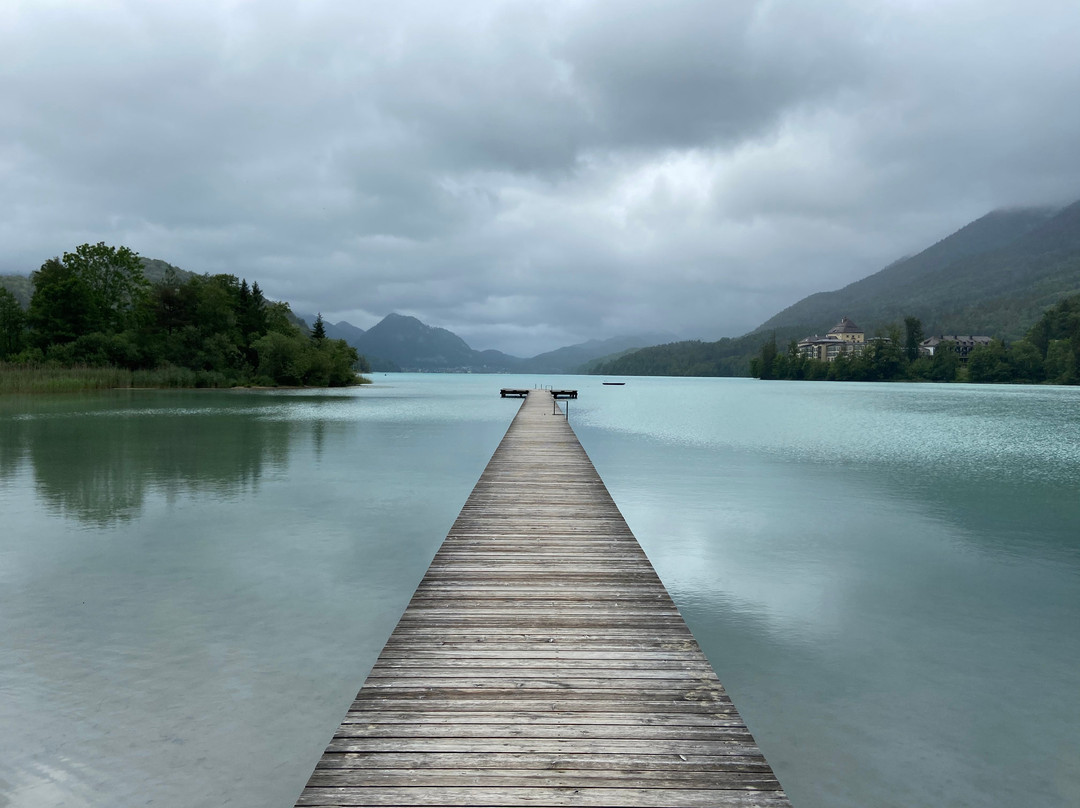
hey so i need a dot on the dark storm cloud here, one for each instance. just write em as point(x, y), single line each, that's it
point(531, 174)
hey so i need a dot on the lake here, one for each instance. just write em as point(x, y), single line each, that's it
point(194, 584)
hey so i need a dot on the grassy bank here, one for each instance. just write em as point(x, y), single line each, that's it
point(24, 379)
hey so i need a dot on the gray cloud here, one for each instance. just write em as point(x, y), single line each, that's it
point(531, 175)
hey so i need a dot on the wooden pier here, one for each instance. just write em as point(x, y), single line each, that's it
point(541, 662)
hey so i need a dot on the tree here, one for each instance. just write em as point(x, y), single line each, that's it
point(763, 366)
point(883, 359)
point(59, 308)
point(115, 280)
point(945, 363)
point(913, 335)
point(988, 363)
point(12, 324)
point(252, 312)
point(95, 289)
point(1025, 363)
point(318, 333)
point(1061, 365)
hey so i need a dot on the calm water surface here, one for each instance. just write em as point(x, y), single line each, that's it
point(193, 585)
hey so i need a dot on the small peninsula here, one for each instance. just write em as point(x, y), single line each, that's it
point(96, 320)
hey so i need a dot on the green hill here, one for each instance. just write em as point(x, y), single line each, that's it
point(20, 286)
point(995, 276)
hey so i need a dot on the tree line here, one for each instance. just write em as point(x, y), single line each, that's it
point(95, 307)
point(1048, 354)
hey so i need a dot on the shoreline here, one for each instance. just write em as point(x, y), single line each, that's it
point(43, 380)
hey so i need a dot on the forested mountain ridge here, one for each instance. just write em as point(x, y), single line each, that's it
point(995, 276)
point(574, 357)
point(725, 357)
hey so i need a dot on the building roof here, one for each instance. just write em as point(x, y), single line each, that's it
point(845, 326)
point(816, 340)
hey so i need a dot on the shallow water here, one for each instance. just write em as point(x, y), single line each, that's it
point(193, 585)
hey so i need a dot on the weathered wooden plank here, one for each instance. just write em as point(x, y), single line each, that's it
point(554, 797)
point(560, 746)
point(538, 707)
point(646, 766)
point(428, 665)
point(532, 717)
point(543, 695)
point(542, 662)
point(509, 778)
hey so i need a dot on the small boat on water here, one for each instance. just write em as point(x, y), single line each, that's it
point(614, 384)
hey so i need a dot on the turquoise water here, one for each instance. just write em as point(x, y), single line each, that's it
point(193, 585)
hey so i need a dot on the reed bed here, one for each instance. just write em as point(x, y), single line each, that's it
point(45, 379)
point(25, 379)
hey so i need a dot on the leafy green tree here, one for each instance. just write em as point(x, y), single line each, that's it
point(282, 358)
point(842, 369)
point(115, 280)
point(989, 363)
point(60, 306)
point(318, 333)
point(945, 363)
point(1025, 363)
point(796, 362)
point(1061, 366)
point(12, 324)
point(883, 358)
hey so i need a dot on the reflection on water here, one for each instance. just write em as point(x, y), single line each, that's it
point(97, 466)
point(886, 577)
point(193, 586)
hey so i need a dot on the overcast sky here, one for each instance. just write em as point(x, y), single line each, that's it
point(530, 173)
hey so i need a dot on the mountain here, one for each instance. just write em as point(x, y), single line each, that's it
point(409, 344)
point(19, 286)
point(342, 330)
point(725, 357)
point(155, 270)
point(400, 342)
point(347, 331)
point(995, 276)
point(573, 357)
